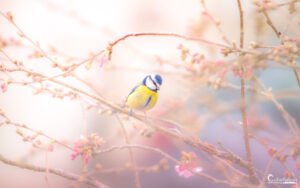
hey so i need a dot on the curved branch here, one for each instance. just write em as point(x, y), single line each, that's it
point(114, 43)
point(58, 172)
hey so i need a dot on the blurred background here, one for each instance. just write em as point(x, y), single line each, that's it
point(70, 31)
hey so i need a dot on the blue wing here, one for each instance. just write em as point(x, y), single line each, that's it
point(148, 101)
point(133, 90)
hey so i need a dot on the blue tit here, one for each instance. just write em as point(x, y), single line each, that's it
point(144, 96)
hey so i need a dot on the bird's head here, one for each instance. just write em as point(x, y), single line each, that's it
point(153, 82)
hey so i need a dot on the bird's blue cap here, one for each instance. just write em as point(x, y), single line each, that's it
point(158, 79)
point(153, 81)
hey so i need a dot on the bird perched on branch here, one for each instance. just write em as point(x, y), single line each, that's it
point(144, 95)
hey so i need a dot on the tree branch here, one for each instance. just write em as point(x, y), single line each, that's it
point(251, 170)
point(58, 172)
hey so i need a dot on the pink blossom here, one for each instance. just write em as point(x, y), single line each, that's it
point(271, 151)
point(185, 171)
point(103, 59)
point(222, 73)
point(86, 158)
point(197, 58)
point(180, 46)
point(86, 146)
point(288, 174)
point(188, 166)
point(220, 63)
point(259, 122)
point(248, 72)
point(225, 51)
point(3, 86)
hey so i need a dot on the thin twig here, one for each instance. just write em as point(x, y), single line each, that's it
point(114, 43)
point(216, 23)
point(196, 143)
point(47, 169)
point(58, 172)
point(208, 148)
point(278, 34)
point(270, 23)
point(23, 126)
point(131, 155)
point(269, 164)
point(66, 69)
point(251, 170)
point(291, 122)
point(167, 156)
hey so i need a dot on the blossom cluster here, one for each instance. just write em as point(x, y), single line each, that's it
point(85, 146)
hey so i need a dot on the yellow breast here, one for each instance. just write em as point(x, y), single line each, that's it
point(142, 98)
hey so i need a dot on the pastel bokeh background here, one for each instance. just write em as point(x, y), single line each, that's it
point(78, 28)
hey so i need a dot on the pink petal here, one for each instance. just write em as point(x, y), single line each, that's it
point(73, 156)
point(177, 168)
point(86, 158)
point(198, 169)
point(186, 174)
point(103, 60)
point(183, 172)
point(193, 154)
point(3, 87)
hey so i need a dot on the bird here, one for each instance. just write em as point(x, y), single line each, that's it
point(144, 95)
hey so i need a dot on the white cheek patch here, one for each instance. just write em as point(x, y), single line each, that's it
point(150, 84)
point(153, 77)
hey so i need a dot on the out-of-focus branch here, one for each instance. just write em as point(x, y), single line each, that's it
point(208, 148)
point(216, 22)
point(131, 154)
point(65, 69)
point(8, 121)
point(58, 172)
point(241, 23)
point(280, 150)
point(141, 147)
point(270, 23)
point(167, 156)
point(251, 170)
point(278, 34)
point(291, 122)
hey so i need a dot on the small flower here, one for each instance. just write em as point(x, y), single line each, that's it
point(3, 86)
point(184, 51)
point(226, 51)
point(253, 45)
point(9, 16)
point(271, 151)
point(180, 46)
point(222, 73)
point(185, 172)
point(188, 166)
point(103, 59)
point(247, 73)
point(197, 58)
point(257, 121)
point(288, 174)
point(86, 146)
